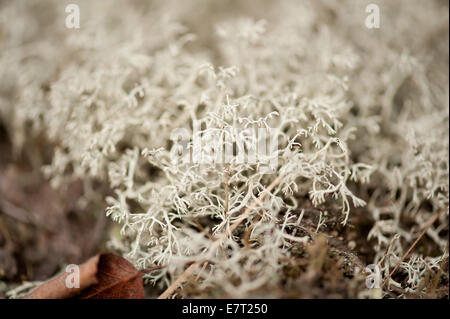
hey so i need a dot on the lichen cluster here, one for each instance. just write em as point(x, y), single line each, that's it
point(361, 117)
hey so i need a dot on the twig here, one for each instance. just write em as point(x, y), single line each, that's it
point(414, 244)
point(246, 237)
point(200, 272)
point(246, 213)
point(202, 229)
point(440, 271)
point(387, 250)
point(227, 179)
point(14, 211)
point(183, 277)
point(146, 271)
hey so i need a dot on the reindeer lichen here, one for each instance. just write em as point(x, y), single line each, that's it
point(360, 117)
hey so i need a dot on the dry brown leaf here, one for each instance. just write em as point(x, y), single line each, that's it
point(105, 276)
point(117, 279)
point(56, 288)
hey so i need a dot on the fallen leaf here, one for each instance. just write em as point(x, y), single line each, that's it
point(117, 279)
point(105, 276)
point(56, 288)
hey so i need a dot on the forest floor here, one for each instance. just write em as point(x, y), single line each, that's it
point(42, 229)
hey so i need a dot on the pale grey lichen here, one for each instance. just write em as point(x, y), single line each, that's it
point(362, 117)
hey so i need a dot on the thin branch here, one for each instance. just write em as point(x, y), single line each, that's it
point(227, 180)
point(387, 250)
point(189, 271)
point(146, 271)
point(184, 276)
point(415, 243)
point(200, 272)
